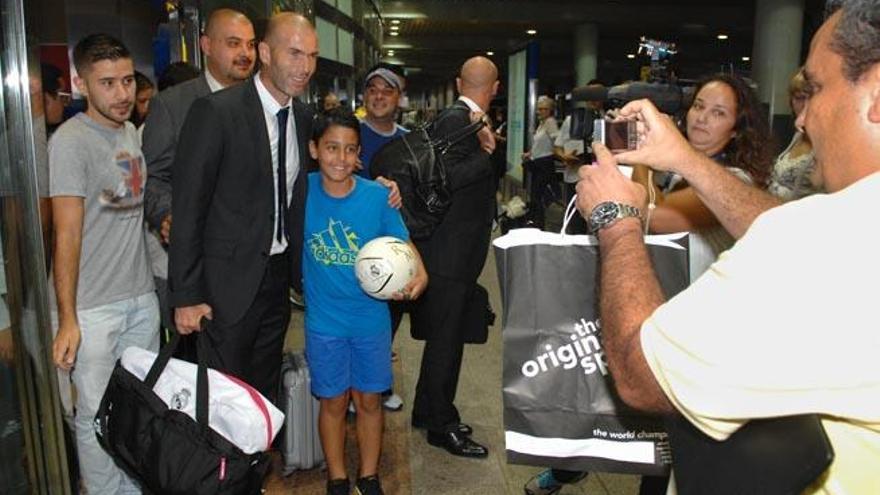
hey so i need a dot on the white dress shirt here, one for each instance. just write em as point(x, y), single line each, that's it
point(471, 104)
point(270, 111)
point(213, 83)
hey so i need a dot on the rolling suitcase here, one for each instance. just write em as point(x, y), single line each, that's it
point(300, 441)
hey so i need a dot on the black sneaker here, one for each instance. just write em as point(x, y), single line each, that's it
point(368, 485)
point(338, 487)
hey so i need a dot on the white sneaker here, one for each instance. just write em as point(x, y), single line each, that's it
point(393, 403)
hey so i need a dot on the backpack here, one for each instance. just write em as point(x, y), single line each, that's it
point(415, 162)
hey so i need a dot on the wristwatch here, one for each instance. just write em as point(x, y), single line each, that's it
point(609, 212)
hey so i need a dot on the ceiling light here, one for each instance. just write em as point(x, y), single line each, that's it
point(722, 36)
point(390, 53)
point(406, 15)
point(490, 53)
point(630, 55)
point(395, 21)
point(395, 28)
point(531, 32)
point(394, 33)
point(746, 59)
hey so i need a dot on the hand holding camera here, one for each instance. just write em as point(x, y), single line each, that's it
point(660, 145)
point(602, 182)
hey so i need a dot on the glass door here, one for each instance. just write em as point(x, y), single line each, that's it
point(32, 450)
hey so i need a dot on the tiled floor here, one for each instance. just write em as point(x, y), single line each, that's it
point(410, 465)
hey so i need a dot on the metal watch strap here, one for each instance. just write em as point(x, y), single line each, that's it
point(623, 211)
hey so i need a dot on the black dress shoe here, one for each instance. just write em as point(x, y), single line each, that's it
point(463, 428)
point(457, 444)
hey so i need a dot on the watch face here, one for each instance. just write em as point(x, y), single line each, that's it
point(604, 213)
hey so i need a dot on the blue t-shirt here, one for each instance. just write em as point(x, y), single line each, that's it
point(335, 230)
point(371, 141)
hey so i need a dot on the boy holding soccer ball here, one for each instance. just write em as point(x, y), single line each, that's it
point(348, 333)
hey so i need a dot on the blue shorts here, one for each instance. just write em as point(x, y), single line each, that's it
point(336, 364)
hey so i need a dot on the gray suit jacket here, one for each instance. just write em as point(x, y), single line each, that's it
point(167, 112)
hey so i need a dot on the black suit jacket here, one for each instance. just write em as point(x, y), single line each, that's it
point(457, 249)
point(167, 112)
point(223, 203)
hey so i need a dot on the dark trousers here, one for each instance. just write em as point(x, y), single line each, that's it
point(542, 181)
point(397, 310)
point(444, 302)
point(251, 348)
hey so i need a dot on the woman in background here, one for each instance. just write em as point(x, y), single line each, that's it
point(538, 161)
point(727, 123)
point(793, 175)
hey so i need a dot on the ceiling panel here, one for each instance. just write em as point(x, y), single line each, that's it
point(436, 36)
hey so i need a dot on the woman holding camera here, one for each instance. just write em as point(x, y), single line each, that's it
point(727, 123)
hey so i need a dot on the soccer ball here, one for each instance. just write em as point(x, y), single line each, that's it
point(384, 266)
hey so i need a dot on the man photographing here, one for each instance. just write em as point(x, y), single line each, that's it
point(746, 340)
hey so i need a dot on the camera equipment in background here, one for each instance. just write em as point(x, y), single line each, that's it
point(662, 88)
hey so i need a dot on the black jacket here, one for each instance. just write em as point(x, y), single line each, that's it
point(223, 203)
point(457, 249)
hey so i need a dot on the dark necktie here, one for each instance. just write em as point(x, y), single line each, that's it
point(280, 227)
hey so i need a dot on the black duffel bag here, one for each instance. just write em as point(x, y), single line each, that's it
point(166, 450)
point(415, 162)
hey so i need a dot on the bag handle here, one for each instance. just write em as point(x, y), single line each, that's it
point(570, 212)
point(201, 377)
point(161, 361)
point(443, 145)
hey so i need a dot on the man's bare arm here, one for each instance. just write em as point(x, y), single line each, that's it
point(662, 147)
point(628, 288)
point(735, 203)
point(68, 213)
point(46, 228)
point(629, 292)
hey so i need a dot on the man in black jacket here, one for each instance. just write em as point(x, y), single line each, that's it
point(454, 257)
point(239, 190)
point(229, 46)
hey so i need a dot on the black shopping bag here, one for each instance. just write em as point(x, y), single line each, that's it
point(560, 407)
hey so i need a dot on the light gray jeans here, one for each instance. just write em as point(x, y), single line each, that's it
point(107, 331)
